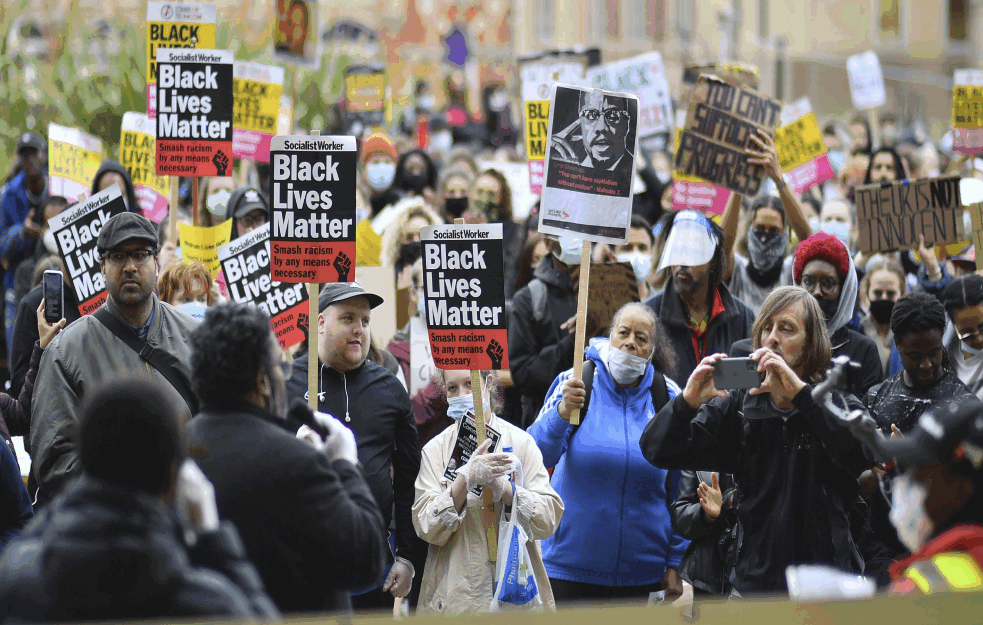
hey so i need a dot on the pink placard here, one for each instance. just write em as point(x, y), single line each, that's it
point(536, 169)
point(251, 146)
point(967, 140)
point(704, 197)
point(152, 101)
point(810, 174)
point(153, 205)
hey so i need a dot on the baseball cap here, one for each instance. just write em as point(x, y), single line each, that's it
point(123, 227)
point(246, 200)
point(340, 291)
point(939, 435)
point(31, 139)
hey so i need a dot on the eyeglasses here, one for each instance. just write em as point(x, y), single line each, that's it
point(975, 333)
point(252, 221)
point(611, 116)
point(826, 285)
point(140, 257)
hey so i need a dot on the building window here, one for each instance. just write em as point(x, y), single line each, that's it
point(686, 18)
point(546, 20)
point(612, 17)
point(655, 19)
point(959, 20)
point(763, 7)
point(889, 26)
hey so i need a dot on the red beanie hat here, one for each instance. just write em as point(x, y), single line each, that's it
point(821, 246)
point(378, 143)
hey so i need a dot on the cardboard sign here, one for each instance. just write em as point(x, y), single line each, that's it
point(801, 149)
point(891, 216)
point(645, 77)
point(256, 90)
point(194, 114)
point(538, 79)
point(365, 96)
point(76, 232)
point(976, 219)
point(719, 124)
point(296, 26)
point(246, 264)
point(201, 244)
point(464, 296)
point(612, 285)
point(866, 81)
point(690, 192)
point(590, 170)
point(465, 445)
point(137, 151)
point(313, 202)
point(175, 25)
point(73, 160)
point(967, 111)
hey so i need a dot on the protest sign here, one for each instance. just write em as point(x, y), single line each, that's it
point(201, 244)
point(690, 192)
point(246, 263)
point(365, 95)
point(286, 117)
point(740, 74)
point(296, 30)
point(256, 90)
point(73, 160)
point(465, 445)
point(645, 77)
point(801, 148)
point(612, 285)
point(590, 170)
point(892, 216)
point(719, 123)
point(76, 232)
point(967, 111)
point(464, 296)
point(976, 219)
point(194, 112)
point(175, 25)
point(866, 81)
point(537, 79)
point(137, 152)
point(313, 203)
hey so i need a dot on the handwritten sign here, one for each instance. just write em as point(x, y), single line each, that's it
point(866, 81)
point(967, 111)
point(690, 192)
point(257, 90)
point(644, 76)
point(73, 160)
point(892, 216)
point(801, 149)
point(175, 25)
point(612, 285)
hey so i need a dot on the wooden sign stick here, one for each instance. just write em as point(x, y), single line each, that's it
point(875, 129)
point(172, 209)
point(487, 503)
point(194, 202)
point(314, 290)
point(578, 343)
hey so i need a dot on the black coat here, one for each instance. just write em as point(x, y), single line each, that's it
point(709, 557)
point(309, 524)
point(26, 333)
point(100, 551)
point(723, 330)
point(797, 478)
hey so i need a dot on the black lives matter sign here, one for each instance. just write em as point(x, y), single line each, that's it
point(313, 201)
point(464, 296)
point(194, 112)
point(76, 231)
point(246, 263)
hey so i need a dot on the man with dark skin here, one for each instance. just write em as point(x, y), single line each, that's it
point(604, 122)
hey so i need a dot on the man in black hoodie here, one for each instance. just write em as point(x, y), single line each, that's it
point(248, 210)
point(112, 172)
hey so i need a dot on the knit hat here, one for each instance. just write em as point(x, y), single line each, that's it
point(821, 246)
point(378, 144)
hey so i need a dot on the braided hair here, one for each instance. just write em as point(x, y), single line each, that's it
point(918, 312)
point(963, 292)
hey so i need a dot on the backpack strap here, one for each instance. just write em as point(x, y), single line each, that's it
point(660, 393)
point(537, 290)
point(149, 354)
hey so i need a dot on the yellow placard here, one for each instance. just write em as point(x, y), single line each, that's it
point(365, 92)
point(368, 244)
point(257, 105)
point(72, 162)
point(967, 106)
point(537, 119)
point(799, 142)
point(178, 25)
point(137, 152)
point(203, 243)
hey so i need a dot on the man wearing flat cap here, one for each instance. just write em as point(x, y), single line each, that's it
point(374, 405)
point(89, 351)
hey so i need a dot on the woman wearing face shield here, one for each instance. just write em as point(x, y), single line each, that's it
point(616, 539)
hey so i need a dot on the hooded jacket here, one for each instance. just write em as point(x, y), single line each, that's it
point(15, 206)
point(129, 193)
point(796, 473)
point(709, 557)
point(234, 200)
point(538, 349)
point(616, 529)
point(102, 551)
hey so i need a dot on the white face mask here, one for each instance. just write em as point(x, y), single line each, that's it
point(969, 349)
point(195, 309)
point(569, 250)
point(421, 309)
point(217, 202)
point(426, 102)
point(625, 368)
point(908, 514)
point(814, 224)
point(459, 406)
point(640, 262)
point(48, 238)
point(838, 229)
point(380, 175)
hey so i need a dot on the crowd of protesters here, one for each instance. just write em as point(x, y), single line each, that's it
point(201, 483)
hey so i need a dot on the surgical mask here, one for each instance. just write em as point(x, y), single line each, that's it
point(814, 224)
point(838, 229)
point(766, 249)
point(457, 407)
point(455, 206)
point(569, 250)
point(195, 309)
point(881, 309)
point(625, 368)
point(664, 175)
point(426, 102)
point(50, 243)
point(217, 202)
point(380, 175)
point(641, 263)
point(908, 514)
point(421, 306)
point(837, 159)
point(969, 349)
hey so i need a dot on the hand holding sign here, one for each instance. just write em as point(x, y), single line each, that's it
point(765, 155)
point(344, 265)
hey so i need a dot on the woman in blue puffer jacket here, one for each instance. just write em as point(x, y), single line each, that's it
point(615, 540)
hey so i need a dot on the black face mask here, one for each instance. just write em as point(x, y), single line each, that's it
point(881, 309)
point(455, 206)
point(414, 182)
point(409, 253)
point(828, 307)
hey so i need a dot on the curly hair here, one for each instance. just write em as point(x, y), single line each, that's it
point(189, 276)
point(231, 346)
point(663, 354)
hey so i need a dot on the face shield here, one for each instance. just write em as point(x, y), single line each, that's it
point(691, 242)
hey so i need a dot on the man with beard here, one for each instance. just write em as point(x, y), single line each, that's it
point(89, 351)
point(696, 308)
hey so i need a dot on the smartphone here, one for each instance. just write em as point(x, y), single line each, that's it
point(733, 373)
point(54, 296)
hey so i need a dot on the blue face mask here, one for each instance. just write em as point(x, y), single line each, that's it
point(195, 309)
point(457, 407)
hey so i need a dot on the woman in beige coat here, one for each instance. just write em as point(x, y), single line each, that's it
point(458, 576)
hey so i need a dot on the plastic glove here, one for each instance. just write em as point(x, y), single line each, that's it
point(339, 444)
point(483, 467)
point(400, 578)
point(308, 435)
point(499, 486)
point(195, 499)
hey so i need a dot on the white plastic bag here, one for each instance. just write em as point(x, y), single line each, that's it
point(515, 583)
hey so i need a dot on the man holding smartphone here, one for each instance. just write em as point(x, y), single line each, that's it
point(796, 468)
